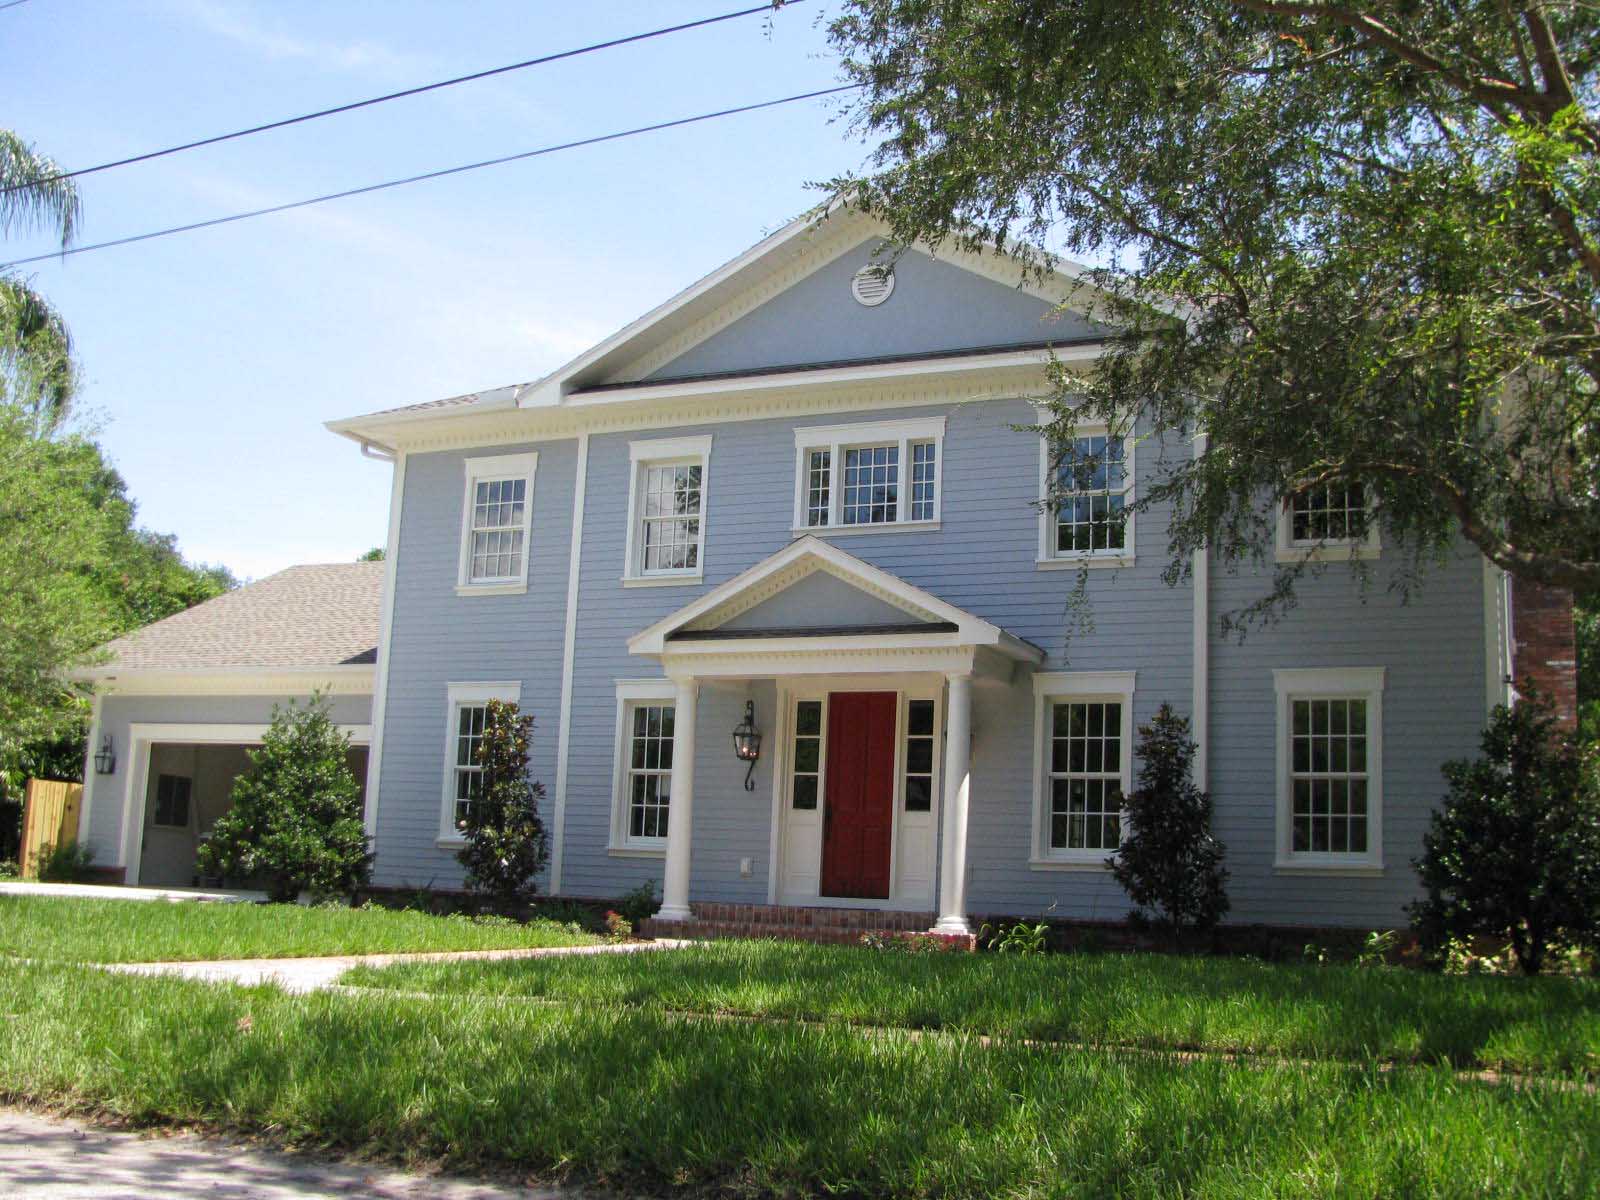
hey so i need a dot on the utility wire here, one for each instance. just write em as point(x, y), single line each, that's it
point(11, 4)
point(394, 183)
point(768, 7)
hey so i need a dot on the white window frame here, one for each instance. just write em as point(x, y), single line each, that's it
point(490, 470)
point(1048, 557)
point(1059, 687)
point(664, 452)
point(1331, 683)
point(631, 694)
point(1290, 549)
point(459, 696)
point(836, 439)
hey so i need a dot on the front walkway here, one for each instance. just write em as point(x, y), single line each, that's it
point(309, 974)
point(108, 891)
point(46, 1159)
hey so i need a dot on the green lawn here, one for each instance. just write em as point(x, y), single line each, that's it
point(636, 1097)
point(1146, 1000)
point(78, 930)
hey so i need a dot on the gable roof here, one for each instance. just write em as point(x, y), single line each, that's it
point(311, 617)
point(926, 614)
point(616, 367)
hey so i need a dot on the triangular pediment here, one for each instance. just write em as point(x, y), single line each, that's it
point(812, 589)
point(787, 303)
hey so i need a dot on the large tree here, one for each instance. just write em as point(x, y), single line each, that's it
point(1354, 244)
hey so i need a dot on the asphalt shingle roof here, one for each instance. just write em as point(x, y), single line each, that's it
point(320, 615)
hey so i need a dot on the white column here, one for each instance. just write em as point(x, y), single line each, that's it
point(680, 811)
point(957, 769)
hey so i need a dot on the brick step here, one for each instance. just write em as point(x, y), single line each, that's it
point(826, 926)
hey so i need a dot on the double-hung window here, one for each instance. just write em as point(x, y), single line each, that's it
point(1087, 486)
point(497, 515)
point(1083, 731)
point(667, 510)
point(463, 778)
point(875, 475)
point(1330, 769)
point(1327, 522)
point(642, 800)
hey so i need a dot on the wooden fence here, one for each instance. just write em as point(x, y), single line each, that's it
point(49, 818)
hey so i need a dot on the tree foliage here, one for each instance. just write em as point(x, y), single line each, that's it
point(296, 820)
point(506, 842)
point(1514, 851)
point(1169, 862)
point(1352, 244)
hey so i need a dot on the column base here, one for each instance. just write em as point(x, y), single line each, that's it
point(673, 912)
point(953, 926)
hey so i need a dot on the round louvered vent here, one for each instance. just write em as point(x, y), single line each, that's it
point(872, 285)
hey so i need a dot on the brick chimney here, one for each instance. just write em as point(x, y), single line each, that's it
point(1544, 646)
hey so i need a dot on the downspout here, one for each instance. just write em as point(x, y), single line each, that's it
point(1200, 705)
point(569, 646)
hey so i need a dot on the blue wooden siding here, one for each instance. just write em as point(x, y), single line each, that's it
point(935, 307)
point(982, 559)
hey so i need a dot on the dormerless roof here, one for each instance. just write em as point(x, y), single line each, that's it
point(320, 615)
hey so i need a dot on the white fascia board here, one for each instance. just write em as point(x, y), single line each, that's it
point(934, 365)
point(234, 681)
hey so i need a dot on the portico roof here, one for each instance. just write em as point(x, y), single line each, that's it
point(742, 628)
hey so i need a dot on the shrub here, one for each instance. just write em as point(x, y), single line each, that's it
point(1514, 851)
point(506, 842)
point(618, 928)
point(639, 902)
point(1019, 937)
point(1168, 861)
point(295, 823)
point(66, 863)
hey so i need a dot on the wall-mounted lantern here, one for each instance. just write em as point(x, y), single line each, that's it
point(747, 743)
point(105, 758)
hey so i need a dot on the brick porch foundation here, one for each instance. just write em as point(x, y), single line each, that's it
point(834, 926)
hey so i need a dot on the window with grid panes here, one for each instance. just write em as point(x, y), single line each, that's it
point(919, 755)
point(670, 520)
point(468, 767)
point(1090, 493)
point(1085, 775)
point(649, 770)
point(498, 529)
point(1333, 513)
point(1328, 773)
point(807, 774)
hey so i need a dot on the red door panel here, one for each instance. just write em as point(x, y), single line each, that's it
point(858, 817)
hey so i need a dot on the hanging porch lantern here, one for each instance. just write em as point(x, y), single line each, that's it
point(747, 743)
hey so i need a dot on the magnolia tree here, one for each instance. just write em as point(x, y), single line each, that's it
point(296, 821)
point(1514, 850)
point(1169, 863)
point(1356, 246)
point(506, 842)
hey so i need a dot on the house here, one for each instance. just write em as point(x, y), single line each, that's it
point(803, 493)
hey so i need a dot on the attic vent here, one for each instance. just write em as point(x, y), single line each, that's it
point(872, 285)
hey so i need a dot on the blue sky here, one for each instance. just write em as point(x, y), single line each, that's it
point(211, 359)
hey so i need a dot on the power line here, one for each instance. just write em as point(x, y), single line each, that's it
point(11, 4)
point(394, 183)
point(768, 7)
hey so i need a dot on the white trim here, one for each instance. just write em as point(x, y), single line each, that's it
point(488, 469)
point(351, 680)
point(1497, 673)
point(836, 439)
point(380, 691)
point(1287, 550)
point(801, 558)
point(1356, 683)
point(569, 649)
point(141, 736)
point(88, 769)
point(458, 696)
point(630, 693)
point(1200, 677)
point(1047, 557)
point(1049, 688)
point(661, 452)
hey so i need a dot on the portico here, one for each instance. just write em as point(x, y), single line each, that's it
point(872, 733)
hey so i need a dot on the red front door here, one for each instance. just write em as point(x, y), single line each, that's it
point(858, 809)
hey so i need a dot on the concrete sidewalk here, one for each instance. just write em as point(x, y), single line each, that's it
point(44, 1158)
point(309, 974)
point(106, 891)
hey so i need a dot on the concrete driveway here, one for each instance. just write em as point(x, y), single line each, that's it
point(47, 1159)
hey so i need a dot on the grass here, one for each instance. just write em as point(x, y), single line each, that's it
point(1335, 1012)
point(635, 1097)
point(81, 930)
